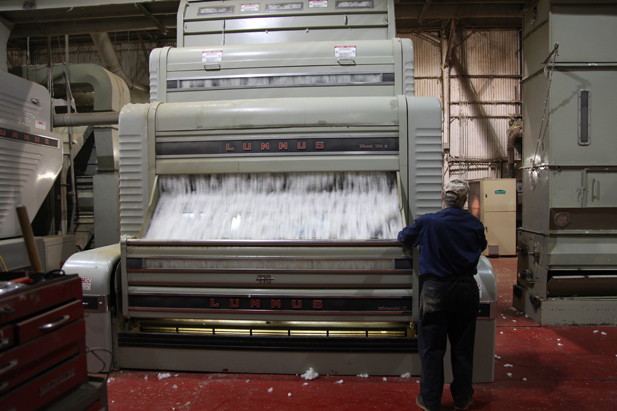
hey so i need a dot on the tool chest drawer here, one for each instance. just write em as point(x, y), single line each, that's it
point(49, 321)
point(36, 298)
point(7, 338)
point(42, 342)
point(46, 387)
point(27, 360)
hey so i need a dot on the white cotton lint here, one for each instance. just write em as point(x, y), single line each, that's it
point(311, 374)
point(277, 206)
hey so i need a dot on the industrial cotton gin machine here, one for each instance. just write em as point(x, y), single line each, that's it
point(260, 200)
point(265, 237)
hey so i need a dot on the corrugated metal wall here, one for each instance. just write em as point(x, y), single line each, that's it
point(484, 96)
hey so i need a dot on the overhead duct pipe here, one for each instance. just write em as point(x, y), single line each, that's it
point(86, 119)
point(102, 42)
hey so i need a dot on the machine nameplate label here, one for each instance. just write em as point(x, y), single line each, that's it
point(345, 51)
point(28, 137)
point(271, 146)
point(215, 303)
point(211, 56)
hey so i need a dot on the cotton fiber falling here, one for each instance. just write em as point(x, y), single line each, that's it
point(291, 206)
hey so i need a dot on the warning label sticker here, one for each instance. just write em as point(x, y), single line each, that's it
point(211, 56)
point(249, 7)
point(344, 51)
point(86, 283)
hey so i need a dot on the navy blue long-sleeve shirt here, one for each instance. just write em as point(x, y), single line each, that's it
point(451, 242)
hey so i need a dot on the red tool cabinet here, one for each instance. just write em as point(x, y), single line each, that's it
point(42, 344)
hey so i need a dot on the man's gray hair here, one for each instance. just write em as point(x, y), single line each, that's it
point(455, 193)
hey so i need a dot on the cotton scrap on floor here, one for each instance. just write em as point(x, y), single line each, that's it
point(311, 374)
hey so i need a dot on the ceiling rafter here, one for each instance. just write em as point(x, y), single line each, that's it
point(425, 7)
point(150, 17)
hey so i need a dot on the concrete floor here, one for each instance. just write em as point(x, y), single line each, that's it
point(536, 368)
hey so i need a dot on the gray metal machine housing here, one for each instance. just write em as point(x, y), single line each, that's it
point(568, 241)
point(263, 315)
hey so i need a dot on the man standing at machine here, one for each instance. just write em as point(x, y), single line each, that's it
point(451, 242)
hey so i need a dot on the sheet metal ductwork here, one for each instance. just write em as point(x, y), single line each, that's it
point(103, 44)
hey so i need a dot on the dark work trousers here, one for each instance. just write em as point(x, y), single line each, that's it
point(448, 309)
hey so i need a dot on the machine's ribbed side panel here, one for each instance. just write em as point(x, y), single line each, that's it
point(30, 156)
point(154, 75)
point(427, 184)
point(16, 170)
point(425, 149)
point(408, 67)
point(134, 190)
point(158, 74)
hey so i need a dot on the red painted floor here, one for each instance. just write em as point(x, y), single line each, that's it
point(536, 368)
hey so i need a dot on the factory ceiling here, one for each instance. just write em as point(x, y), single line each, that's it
point(37, 19)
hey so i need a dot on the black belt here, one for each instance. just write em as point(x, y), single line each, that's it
point(448, 278)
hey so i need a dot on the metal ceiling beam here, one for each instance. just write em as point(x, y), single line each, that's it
point(411, 25)
point(458, 10)
point(150, 17)
point(425, 7)
point(468, 2)
point(88, 26)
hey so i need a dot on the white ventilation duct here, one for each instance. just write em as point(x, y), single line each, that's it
point(103, 44)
